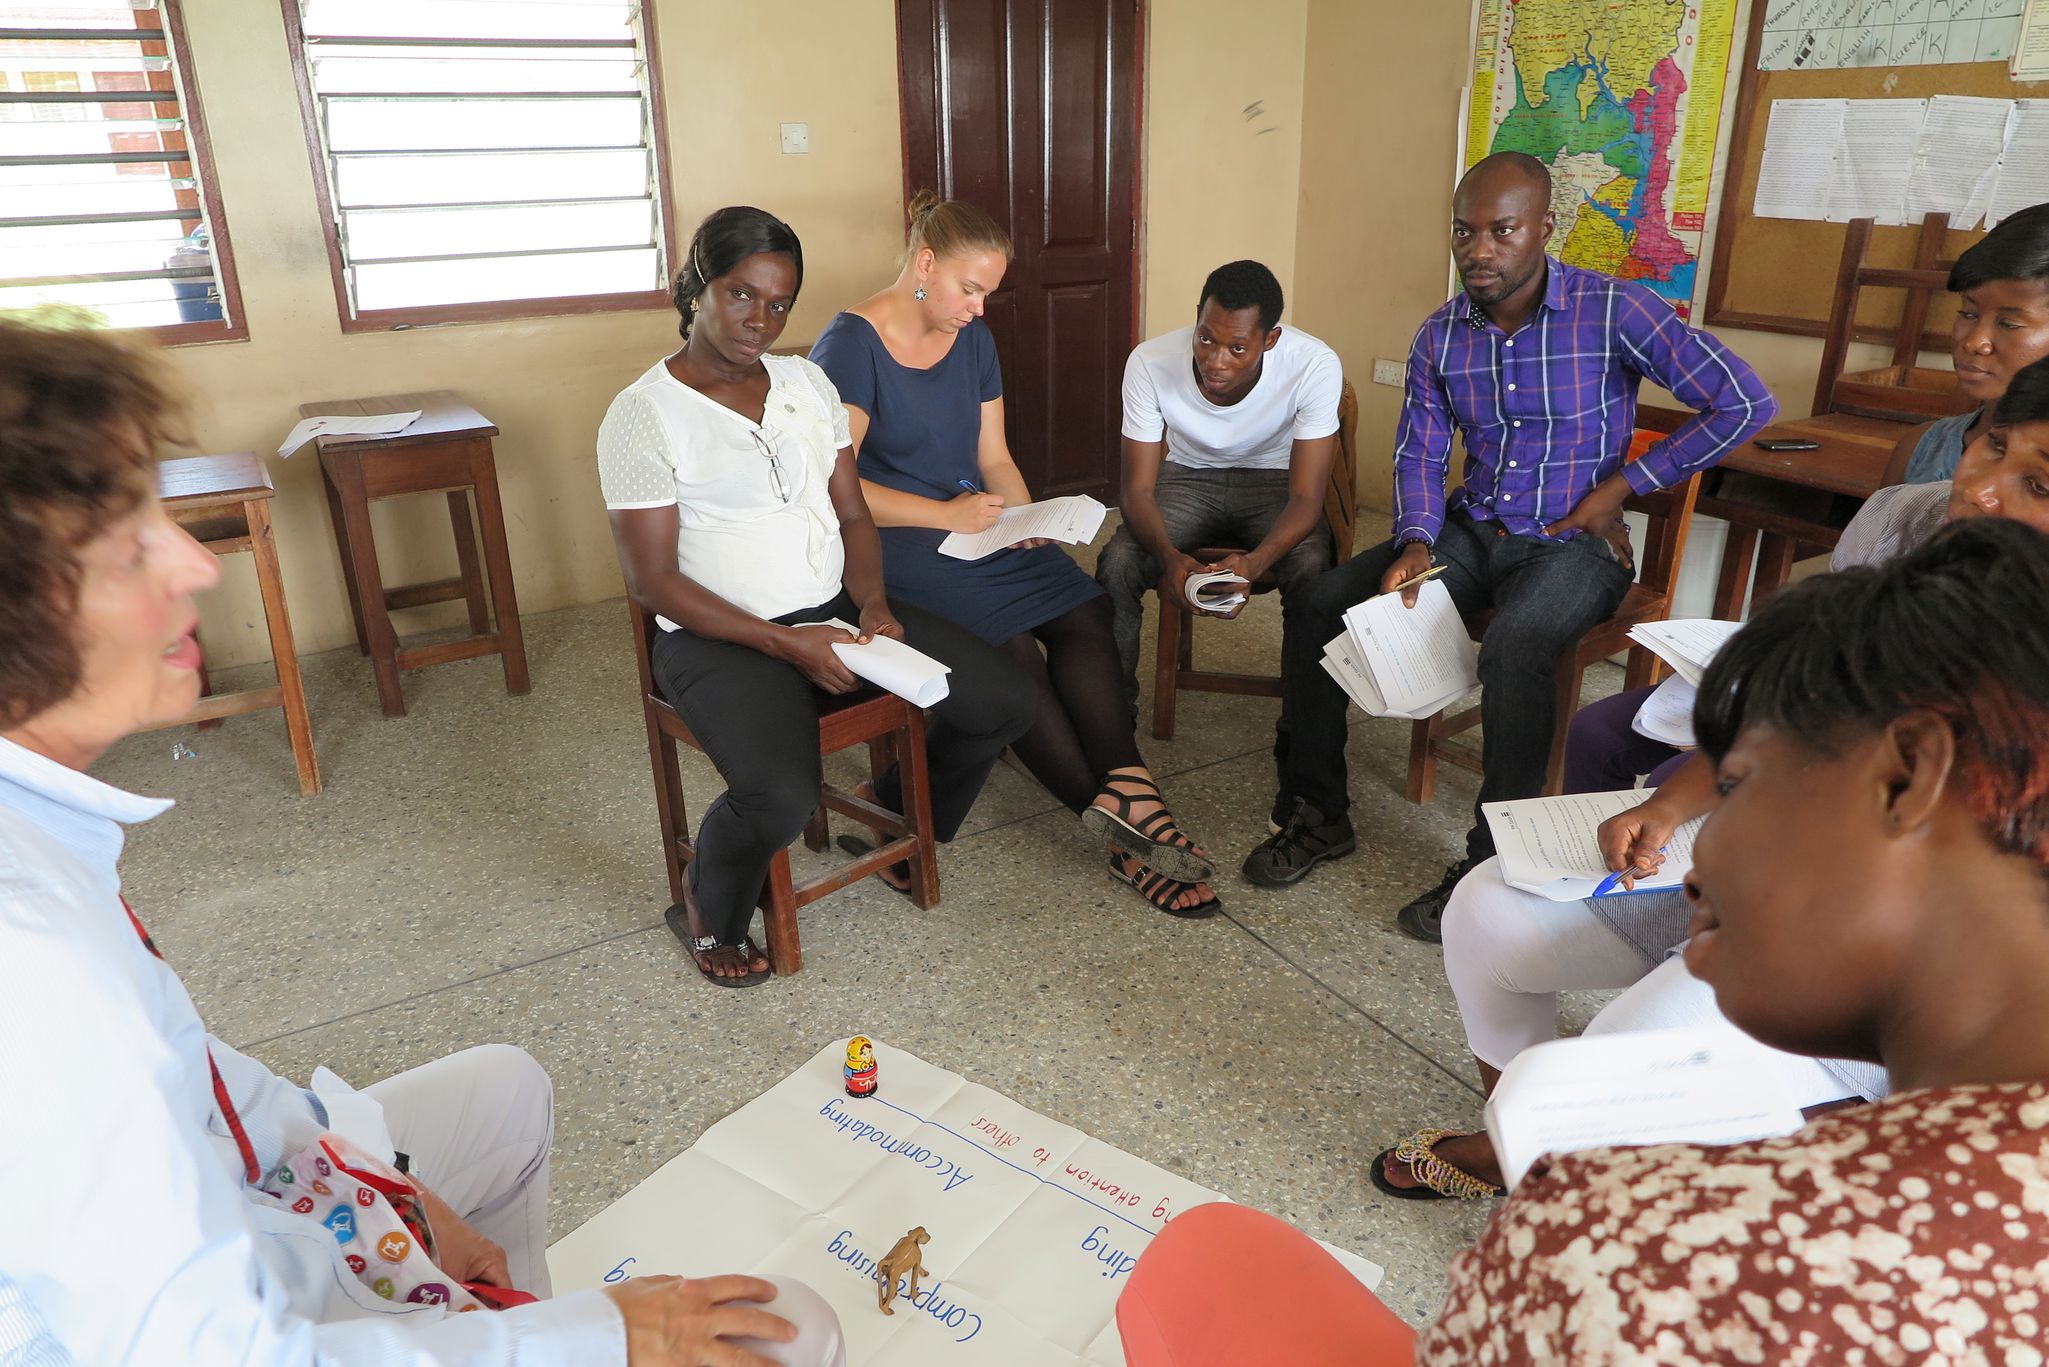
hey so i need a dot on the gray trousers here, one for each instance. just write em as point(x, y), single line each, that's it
point(1203, 508)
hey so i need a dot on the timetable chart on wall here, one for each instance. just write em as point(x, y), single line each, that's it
point(1833, 35)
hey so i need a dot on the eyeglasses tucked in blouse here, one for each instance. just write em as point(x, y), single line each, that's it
point(764, 443)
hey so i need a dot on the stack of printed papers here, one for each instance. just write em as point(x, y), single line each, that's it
point(1216, 590)
point(1688, 644)
point(1396, 661)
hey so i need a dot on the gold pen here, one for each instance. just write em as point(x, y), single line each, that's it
point(1430, 573)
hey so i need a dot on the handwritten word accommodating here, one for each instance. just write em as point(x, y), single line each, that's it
point(858, 1130)
point(952, 1314)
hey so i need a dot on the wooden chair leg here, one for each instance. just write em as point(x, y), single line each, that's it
point(669, 809)
point(369, 592)
point(206, 691)
point(1775, 558)
point(1643, 670)
point(818, 830)
point(466, 561)
point(779, 918)
point(1422, 762)
point(1732, 586)
point(1571, 673)
point(1168, 651)
point(917, 789)
point(284, 651)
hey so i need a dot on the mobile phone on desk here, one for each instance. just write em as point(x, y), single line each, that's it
point(1787, 444)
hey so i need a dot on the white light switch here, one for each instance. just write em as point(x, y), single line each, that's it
point(796, 139)
point(1387, 372)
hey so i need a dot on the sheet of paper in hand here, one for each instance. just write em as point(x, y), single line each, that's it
point(891, 665)
point(1034, 1226)
point(1659, 1087)
point(1075, 519)
point(1551, 845)
point(1687, 644)
point(1421, 658)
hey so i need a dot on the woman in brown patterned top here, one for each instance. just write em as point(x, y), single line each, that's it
point(1881, 740)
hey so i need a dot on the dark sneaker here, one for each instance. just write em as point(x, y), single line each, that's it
point(1424, 917)
point(1303, 841)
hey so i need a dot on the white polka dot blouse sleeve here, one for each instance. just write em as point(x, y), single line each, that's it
point(636, 459)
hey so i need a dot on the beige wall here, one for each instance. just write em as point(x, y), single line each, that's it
point(1223, 145)
point(545, 382)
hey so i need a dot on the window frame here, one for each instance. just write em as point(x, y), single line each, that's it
point(432, 315)
point(234, 325)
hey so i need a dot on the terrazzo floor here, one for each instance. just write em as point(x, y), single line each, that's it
point(487, 869)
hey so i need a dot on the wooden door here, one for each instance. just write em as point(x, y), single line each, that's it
point(1029, 110)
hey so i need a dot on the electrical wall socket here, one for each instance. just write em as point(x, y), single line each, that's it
point(1387, 372)
point(796, 139)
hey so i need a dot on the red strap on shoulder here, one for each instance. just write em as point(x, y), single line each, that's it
point(251, 1169)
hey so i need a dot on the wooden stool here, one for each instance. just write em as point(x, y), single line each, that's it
point(447, 449)
point(224, 502)
point(892, 729)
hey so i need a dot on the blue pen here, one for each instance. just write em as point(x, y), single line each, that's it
point(1612, 884)
point(969, 485)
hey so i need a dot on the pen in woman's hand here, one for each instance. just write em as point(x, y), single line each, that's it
point(969, 485)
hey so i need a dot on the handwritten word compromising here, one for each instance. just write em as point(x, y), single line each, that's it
point(949, 1313)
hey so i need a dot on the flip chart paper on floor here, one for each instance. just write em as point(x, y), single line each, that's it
point(1035, 1226)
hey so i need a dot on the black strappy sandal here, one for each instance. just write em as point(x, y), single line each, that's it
point(1160, 891)
point(1157, 842)
point(701, 946)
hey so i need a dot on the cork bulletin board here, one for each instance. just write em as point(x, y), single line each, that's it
point(1778, 274)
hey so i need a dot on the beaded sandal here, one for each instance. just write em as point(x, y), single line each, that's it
point(1441, 1181)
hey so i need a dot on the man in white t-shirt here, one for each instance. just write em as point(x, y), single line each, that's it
point(1229, 430)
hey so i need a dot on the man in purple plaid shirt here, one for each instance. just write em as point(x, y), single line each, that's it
point(1536, 363)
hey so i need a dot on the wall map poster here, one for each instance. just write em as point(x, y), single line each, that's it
point(1622, 100)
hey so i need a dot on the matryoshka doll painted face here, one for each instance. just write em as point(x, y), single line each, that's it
point(860, 1068)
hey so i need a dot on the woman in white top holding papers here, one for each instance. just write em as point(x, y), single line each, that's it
point(738, 513)
point(1509, 953)
point(917, 369)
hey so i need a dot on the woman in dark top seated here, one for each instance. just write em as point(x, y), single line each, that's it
point(917, 370)
point(739, 518)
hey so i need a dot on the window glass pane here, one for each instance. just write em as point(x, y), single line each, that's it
point(129, 158)
point(469, 18)
point(490, 178)
point(522, 277)
point(381, 125)
point(92, 249)
point(340, 70)
point(374, 233)
point(125, 304)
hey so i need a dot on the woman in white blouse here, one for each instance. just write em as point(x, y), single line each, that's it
point(734, 499)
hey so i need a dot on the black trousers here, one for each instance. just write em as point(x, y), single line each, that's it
point(1545, 596)
point(757, 718)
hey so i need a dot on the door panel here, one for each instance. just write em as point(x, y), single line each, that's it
point(1029, 109)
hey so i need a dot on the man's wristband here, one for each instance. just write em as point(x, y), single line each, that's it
point(1409, 541)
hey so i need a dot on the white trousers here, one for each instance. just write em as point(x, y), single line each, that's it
point(1509, 953)
point(478, 1126)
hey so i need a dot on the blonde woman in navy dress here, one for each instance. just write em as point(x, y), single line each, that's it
point(916, 368)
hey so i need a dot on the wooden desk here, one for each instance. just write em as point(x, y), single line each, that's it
point(224, 502)
point(446, 450)
point(1802, 506)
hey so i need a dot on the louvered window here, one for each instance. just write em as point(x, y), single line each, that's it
point(107, 201)
point(484, 158)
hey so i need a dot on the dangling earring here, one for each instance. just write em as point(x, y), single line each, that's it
point(919, 294)
point(693, 306)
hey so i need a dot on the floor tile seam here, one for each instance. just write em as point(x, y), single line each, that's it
point(426, 992)
point(1383, 1026)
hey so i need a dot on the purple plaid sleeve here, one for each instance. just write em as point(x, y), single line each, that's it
point(1422, 444)
point(1549, 413)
